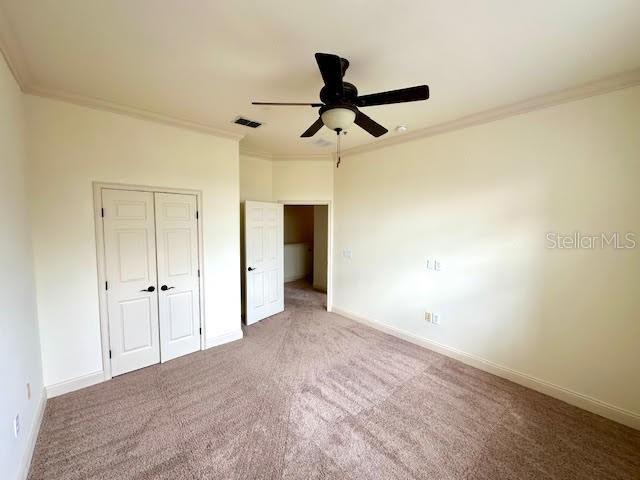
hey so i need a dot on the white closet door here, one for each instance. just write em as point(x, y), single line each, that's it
point(264, 253)
point(179, 292)
point(130, 259)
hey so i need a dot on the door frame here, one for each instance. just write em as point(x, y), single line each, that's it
point(100, 259)
point(329, 205)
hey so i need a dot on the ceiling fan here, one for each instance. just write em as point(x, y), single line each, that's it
point(340, 101)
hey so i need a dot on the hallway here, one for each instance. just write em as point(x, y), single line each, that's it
point(300, 295)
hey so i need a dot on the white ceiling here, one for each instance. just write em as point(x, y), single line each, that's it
point(204, 61)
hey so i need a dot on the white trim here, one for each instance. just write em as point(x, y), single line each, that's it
point(99, 229)
point(283, 157)
point(15, 60)
point(617, 414)
point(224, 338)
point(329, 204)
point(25, 464)
point(254, 153)
point(75, 384)
point(286, 157)
point(106, 105)
point(599, 87)
point(12, 53)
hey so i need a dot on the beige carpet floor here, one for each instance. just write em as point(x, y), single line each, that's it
point(311, 395)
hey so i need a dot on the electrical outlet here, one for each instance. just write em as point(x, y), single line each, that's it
point(347, 253)
point(427, 316)
point(435, 319)
point(28, 391)
point(16, 426)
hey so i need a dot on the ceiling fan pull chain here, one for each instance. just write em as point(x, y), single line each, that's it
point(338, 151)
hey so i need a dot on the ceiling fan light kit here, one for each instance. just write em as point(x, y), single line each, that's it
point(340, 100)
point(339, 118)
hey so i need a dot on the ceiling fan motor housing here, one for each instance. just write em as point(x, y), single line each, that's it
point(339, 110)
point(332, 96)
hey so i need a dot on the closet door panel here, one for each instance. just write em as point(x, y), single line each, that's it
point(179, 292)
point(132, 296)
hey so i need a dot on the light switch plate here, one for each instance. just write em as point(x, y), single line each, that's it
point(433, 264)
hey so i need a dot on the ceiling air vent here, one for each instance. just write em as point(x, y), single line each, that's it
point(246, 122)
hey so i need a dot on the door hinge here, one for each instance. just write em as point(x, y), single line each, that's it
point(102, 212)
point(200, 330)
point(106, 285)
point(197, 214)
point(198, 273)
point(109, 353)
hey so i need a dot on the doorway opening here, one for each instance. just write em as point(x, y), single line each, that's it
point(308, 254)
point(306, 246)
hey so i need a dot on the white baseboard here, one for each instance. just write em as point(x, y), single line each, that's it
point(23, 471)
point(74, 384)
point(617, 414)
point(224, 338)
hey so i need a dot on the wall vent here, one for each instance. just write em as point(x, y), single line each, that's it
point(246, 122)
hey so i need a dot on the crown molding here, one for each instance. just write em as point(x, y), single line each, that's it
point(284, 157)
point(599, 87)
point(14, 58)
point(255, 153)
point(12, 53)
point(106, 105)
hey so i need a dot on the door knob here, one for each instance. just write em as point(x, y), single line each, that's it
point(251, 269)
point(164, 288)
point(150, 289)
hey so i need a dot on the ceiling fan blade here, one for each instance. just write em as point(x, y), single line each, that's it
point(411, 94)
point(332, 69)
point(371, 126)
point(287, 104)
point(313, 129)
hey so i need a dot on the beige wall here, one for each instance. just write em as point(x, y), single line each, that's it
point(19, 339)
point(297, 180)
point(481, 200)
point(256, 178)
point(294, 180)
point(72, 146)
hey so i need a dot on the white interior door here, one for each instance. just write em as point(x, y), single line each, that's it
point(264, 253)
point(179, 287)
point(130, 260)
